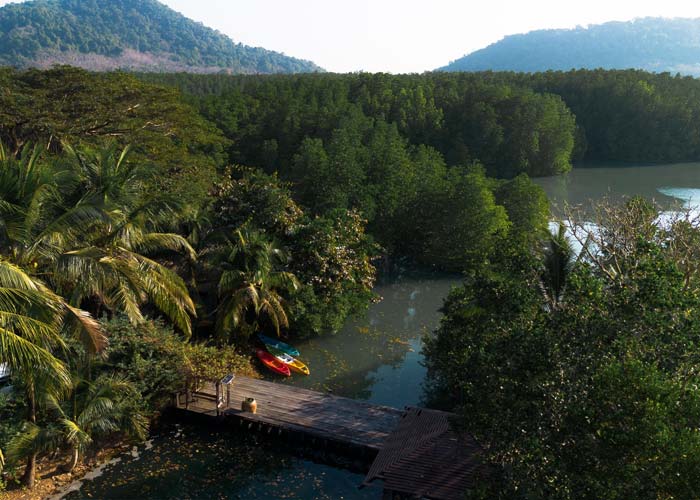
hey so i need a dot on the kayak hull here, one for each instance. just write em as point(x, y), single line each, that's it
point(294, 364)
point(278, 344)
point(272, 363)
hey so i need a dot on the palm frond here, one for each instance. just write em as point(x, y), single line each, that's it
point(22, 355)
point(88, 329)
point(33, 439)
point(156, 242)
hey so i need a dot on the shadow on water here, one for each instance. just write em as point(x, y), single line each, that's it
point(375, 357)
point(191, 461)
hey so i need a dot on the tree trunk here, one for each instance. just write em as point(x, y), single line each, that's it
point(75, 458)
point(29, 476)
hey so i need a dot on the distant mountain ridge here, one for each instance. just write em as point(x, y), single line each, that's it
point(138, 35)
point(652, 44)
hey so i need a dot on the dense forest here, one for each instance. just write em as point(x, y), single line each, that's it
point(510, 122)
point(577, 369)
point(650, 44)
point(152, 224)
point(126, 34)
point(135, 251)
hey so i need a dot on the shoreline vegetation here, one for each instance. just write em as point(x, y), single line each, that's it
point(147, 234)
point(52, 479)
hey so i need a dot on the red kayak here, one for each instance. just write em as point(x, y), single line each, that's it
point(273, 363)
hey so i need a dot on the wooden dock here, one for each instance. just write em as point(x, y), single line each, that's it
point(414, 452)
point(291, 409)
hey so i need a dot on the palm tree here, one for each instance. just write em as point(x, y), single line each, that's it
point(251, 284)
point(32, 319)
point(85, 231)
point(558, 263)
point(89, 230)
point(30, 332)
point(95, 409)
point(111, 264)
point(89, 410)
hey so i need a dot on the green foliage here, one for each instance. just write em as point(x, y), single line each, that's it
point(623, 116)
point(330, 256)
point(214, 363)
point(87, 109)
point(10, 424)
point(151, 355)
point(252, 285)
point(133, 34)
point(461, 223)
point(527, 207)
point(652, 44)
point(350, 128)
point(589, 390)
point(248, 196)
point(87, 225)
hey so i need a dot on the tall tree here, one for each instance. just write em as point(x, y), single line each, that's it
point(252, 284)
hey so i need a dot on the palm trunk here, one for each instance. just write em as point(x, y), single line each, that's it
point(75, 458)
point(29, 476)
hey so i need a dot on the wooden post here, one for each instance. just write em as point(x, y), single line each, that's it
point(218, 389)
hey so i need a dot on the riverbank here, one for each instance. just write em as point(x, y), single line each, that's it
point(376, 357)
point(52, 478)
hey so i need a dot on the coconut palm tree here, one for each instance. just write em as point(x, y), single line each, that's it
point(92, 409)
point(252, 283)
point(113, 262)
point(85, 247)
point(558, 263)
point(85, 228)
point(32, 319)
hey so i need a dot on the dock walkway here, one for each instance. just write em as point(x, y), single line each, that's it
point(288, 408)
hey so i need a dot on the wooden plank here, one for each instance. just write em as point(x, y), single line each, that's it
point(366, 432)
point(339, 434)
point(316, 414)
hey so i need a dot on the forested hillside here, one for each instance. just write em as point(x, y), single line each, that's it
point(651, 44)
point(140, 35)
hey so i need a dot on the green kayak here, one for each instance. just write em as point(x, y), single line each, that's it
point(278, 344)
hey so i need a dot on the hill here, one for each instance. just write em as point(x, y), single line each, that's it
point(140, 35)
point(652, 44)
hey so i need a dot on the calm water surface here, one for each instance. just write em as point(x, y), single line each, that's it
point(669, 185)
point(375, 358)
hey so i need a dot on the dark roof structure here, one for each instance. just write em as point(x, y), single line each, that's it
point(425, 458)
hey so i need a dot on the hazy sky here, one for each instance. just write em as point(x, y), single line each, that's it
point(403, 35)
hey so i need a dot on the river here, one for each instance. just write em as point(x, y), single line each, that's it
point(375, 358)
point(669, 185)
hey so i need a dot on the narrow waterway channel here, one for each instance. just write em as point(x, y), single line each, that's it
point(376, 358)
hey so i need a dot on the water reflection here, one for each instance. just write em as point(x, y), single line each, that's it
point(377, 357)
point(191, 462)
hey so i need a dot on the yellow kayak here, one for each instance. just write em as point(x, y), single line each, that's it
point(293, 363)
